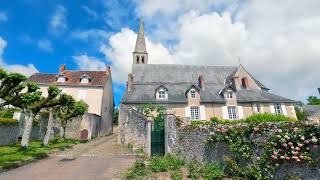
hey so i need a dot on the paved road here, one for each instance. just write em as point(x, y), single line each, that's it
point(98, 159)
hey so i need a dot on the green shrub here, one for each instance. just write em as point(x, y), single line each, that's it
point(137, 170)
point(176, 175)
point(194, 169)
point(8, 121)
point(200, 122)
point(7, 112)
point(165, 163)
point(212, 171)
point(266, 117)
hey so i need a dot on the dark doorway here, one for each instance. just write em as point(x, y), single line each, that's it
point(157, 137)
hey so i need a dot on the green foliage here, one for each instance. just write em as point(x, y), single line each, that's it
point(212, 171)
point(194, 169)
point(139, 169)
point(313, 100)
point(7, 112)
point(176, 175)
point(165, 163)
point(8, 121)
point(9, 155)
point(301, 115)
point(116, 116)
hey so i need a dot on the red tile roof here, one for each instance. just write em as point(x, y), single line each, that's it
point(97, 78)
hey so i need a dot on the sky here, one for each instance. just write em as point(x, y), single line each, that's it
point(278, 42)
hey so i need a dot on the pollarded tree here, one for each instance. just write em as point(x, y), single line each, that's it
point(69, 110)
point(31, 102)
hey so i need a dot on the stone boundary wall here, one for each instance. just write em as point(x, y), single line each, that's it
point(8, 134)
point(191, 144)
point(134, 130)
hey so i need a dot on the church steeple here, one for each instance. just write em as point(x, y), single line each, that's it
point(140, 54)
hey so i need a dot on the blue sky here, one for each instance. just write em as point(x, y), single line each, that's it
point(278, 42)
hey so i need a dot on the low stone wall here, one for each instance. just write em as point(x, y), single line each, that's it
point(8, 134)
point(191, 143)
point(134, 129)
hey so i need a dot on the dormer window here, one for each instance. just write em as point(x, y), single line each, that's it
point(244, 83)
point(229, 94)
point(193, 94)
point(84, 79)
point(161, 93)
point(61, 79)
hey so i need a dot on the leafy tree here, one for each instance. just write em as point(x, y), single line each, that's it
point(301, 115)
point(70, 109)
point(313, 100)
point(116, 116)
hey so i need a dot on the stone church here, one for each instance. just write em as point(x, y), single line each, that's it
point(199, 92)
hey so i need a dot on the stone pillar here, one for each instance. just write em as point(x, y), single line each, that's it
point(170, 130)
point(121, 123)
point(147, 149)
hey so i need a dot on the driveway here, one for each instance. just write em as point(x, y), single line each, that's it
point(101, 158)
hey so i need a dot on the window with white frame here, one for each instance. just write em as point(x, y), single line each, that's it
point(232, 112)
point(277, 108)
point(193, 94)
point(140, 110)
point(229, 94)
point(82, 94)
point(161, 94)
point(84, 80)
point(195, 113)
point(61, 79)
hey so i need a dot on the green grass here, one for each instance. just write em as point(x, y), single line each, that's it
point(137, 171)
point(10, 155)
point(165, 163)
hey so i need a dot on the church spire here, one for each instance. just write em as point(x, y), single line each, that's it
point(140, 54)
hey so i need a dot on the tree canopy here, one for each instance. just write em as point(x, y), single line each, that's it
point(313, 100)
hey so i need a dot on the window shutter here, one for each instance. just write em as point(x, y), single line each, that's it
point(225, 112)
point(284, 110)
point(272, 109)
point(261, 108)
point(202, 113)
point(254, 107)
point(240, 112)
point(187, 111)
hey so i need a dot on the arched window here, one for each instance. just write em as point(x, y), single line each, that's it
point(137, 59)
point(142, 59)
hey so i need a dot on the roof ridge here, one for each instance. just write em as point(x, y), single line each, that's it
point(184, 65)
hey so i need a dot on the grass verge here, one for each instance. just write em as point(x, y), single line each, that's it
point(13, 156)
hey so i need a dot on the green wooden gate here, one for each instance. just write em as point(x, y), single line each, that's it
point(157, 137)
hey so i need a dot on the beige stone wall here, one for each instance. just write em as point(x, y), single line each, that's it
point(93, 96)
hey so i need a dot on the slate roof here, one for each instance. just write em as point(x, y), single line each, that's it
point(178, 78)
point(97, 78)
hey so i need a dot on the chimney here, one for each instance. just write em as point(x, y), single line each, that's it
point(129, 82)
point(108, 70)
point(62, 68)
point(201, 82)
point(319, 90)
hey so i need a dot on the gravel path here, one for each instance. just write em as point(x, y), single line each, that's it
point(101, 158)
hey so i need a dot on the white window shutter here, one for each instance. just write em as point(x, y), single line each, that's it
point(284, 110)
point(261, 108)
point(225, 112)
point(202, 113)
point(272, 109)
point(254, 107)
point(187, 111)
point(240, 112)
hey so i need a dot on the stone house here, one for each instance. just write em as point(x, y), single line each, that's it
point(199, 92)
point(94, 88)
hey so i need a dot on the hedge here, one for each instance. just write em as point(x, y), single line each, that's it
point(8, 121)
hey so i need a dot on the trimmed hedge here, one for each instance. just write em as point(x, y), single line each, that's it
point(8, 121)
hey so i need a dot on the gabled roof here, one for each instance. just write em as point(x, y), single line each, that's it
point(97, 78)
point(179, 78)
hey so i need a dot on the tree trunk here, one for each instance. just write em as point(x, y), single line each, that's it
point(64, 133)
point(29, 116)
point(49, 128)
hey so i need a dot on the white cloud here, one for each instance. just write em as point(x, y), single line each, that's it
point(120, 48)
point(3, 16)
point(58, 21)
point(45, 45)
point(85, 62)
point(90, 12)
point(26, 70)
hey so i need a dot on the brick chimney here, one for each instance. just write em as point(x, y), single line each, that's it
point(62, 68)
point(108, 69)
point(129, 82)
point(201, 82)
